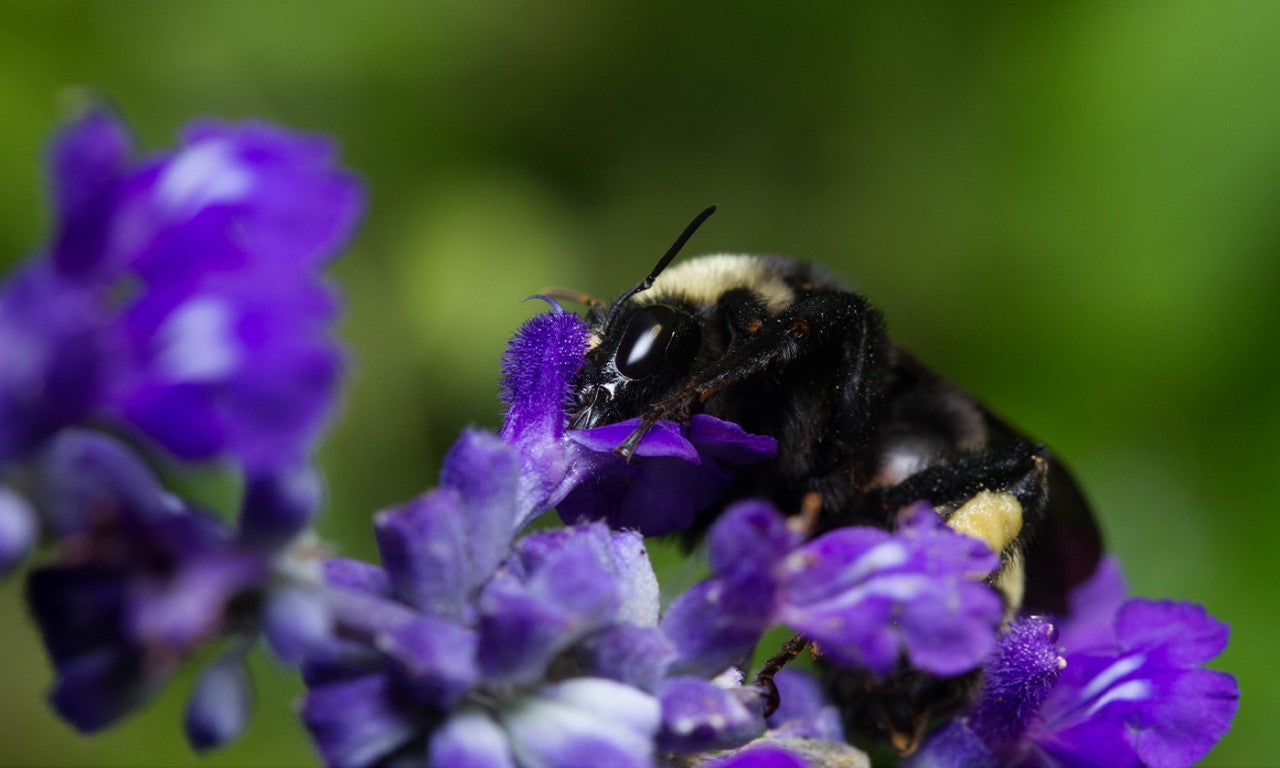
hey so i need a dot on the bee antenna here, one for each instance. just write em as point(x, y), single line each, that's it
point(646, 283)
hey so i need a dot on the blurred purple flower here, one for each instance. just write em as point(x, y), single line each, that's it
point(88, 161)
point(228, 348)
point(52, 347)
point(18, 531)
point(220, 704)
point(141, 583)
point(182, 294)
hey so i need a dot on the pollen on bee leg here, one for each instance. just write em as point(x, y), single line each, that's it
point(993, 516)
point(1011, 583)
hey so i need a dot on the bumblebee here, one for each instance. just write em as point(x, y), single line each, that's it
point(783, 348)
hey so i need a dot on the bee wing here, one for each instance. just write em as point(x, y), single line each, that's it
point(1066, 549)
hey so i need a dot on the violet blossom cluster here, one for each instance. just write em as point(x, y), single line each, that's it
point(180, 315)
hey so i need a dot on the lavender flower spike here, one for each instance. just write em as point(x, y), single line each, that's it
point(1018, 677)
point(239, 362)
point(467, 647)
point(182, 294)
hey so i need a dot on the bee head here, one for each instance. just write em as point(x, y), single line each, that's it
point(643, 350)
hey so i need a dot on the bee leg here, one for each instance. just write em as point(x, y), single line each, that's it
point(772, 666)
point(998, 496)
point(813, 325)
point(1021, 470)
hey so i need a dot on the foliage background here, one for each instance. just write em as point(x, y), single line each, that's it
point(1070, 208)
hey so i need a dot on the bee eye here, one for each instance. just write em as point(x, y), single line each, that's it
point(648, 332)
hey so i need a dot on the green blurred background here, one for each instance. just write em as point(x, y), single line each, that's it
point(1069, 208)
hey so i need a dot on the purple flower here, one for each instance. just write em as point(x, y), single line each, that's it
point(718, 621)
point(143, 580)
point(866, 597)
point(1021, 673)
point(1018, 677)
point(675, 474)
point(229, 348)
point(1132, 692)
point(538, 368)
point(242, 365)
point(182, 294)
point(467, 646)
point(1146, 700)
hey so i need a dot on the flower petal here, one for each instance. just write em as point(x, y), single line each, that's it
point(437, 659)
point(359, 721)
point(538, 368)
point(712, 626)
point(278, 505)
point(729, 442)
point(470, 739)
point(559, 587)
point(637, 656)
point(95, 690)
point(485, 472)
point(664, 438)
point(954, 745)
point(1091, 624)
point(424, 550)
point(53, 350)
point(1184, 634)
point(1146, 700)
point(698, 715)
point(584, 721)
point(18, 531)
point(640, 597)
point(865, 595)
point(751, 536)
point(220, 703)
point(803, 711)
point(87, 160)
point(295, 620)
point(1017, 679)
